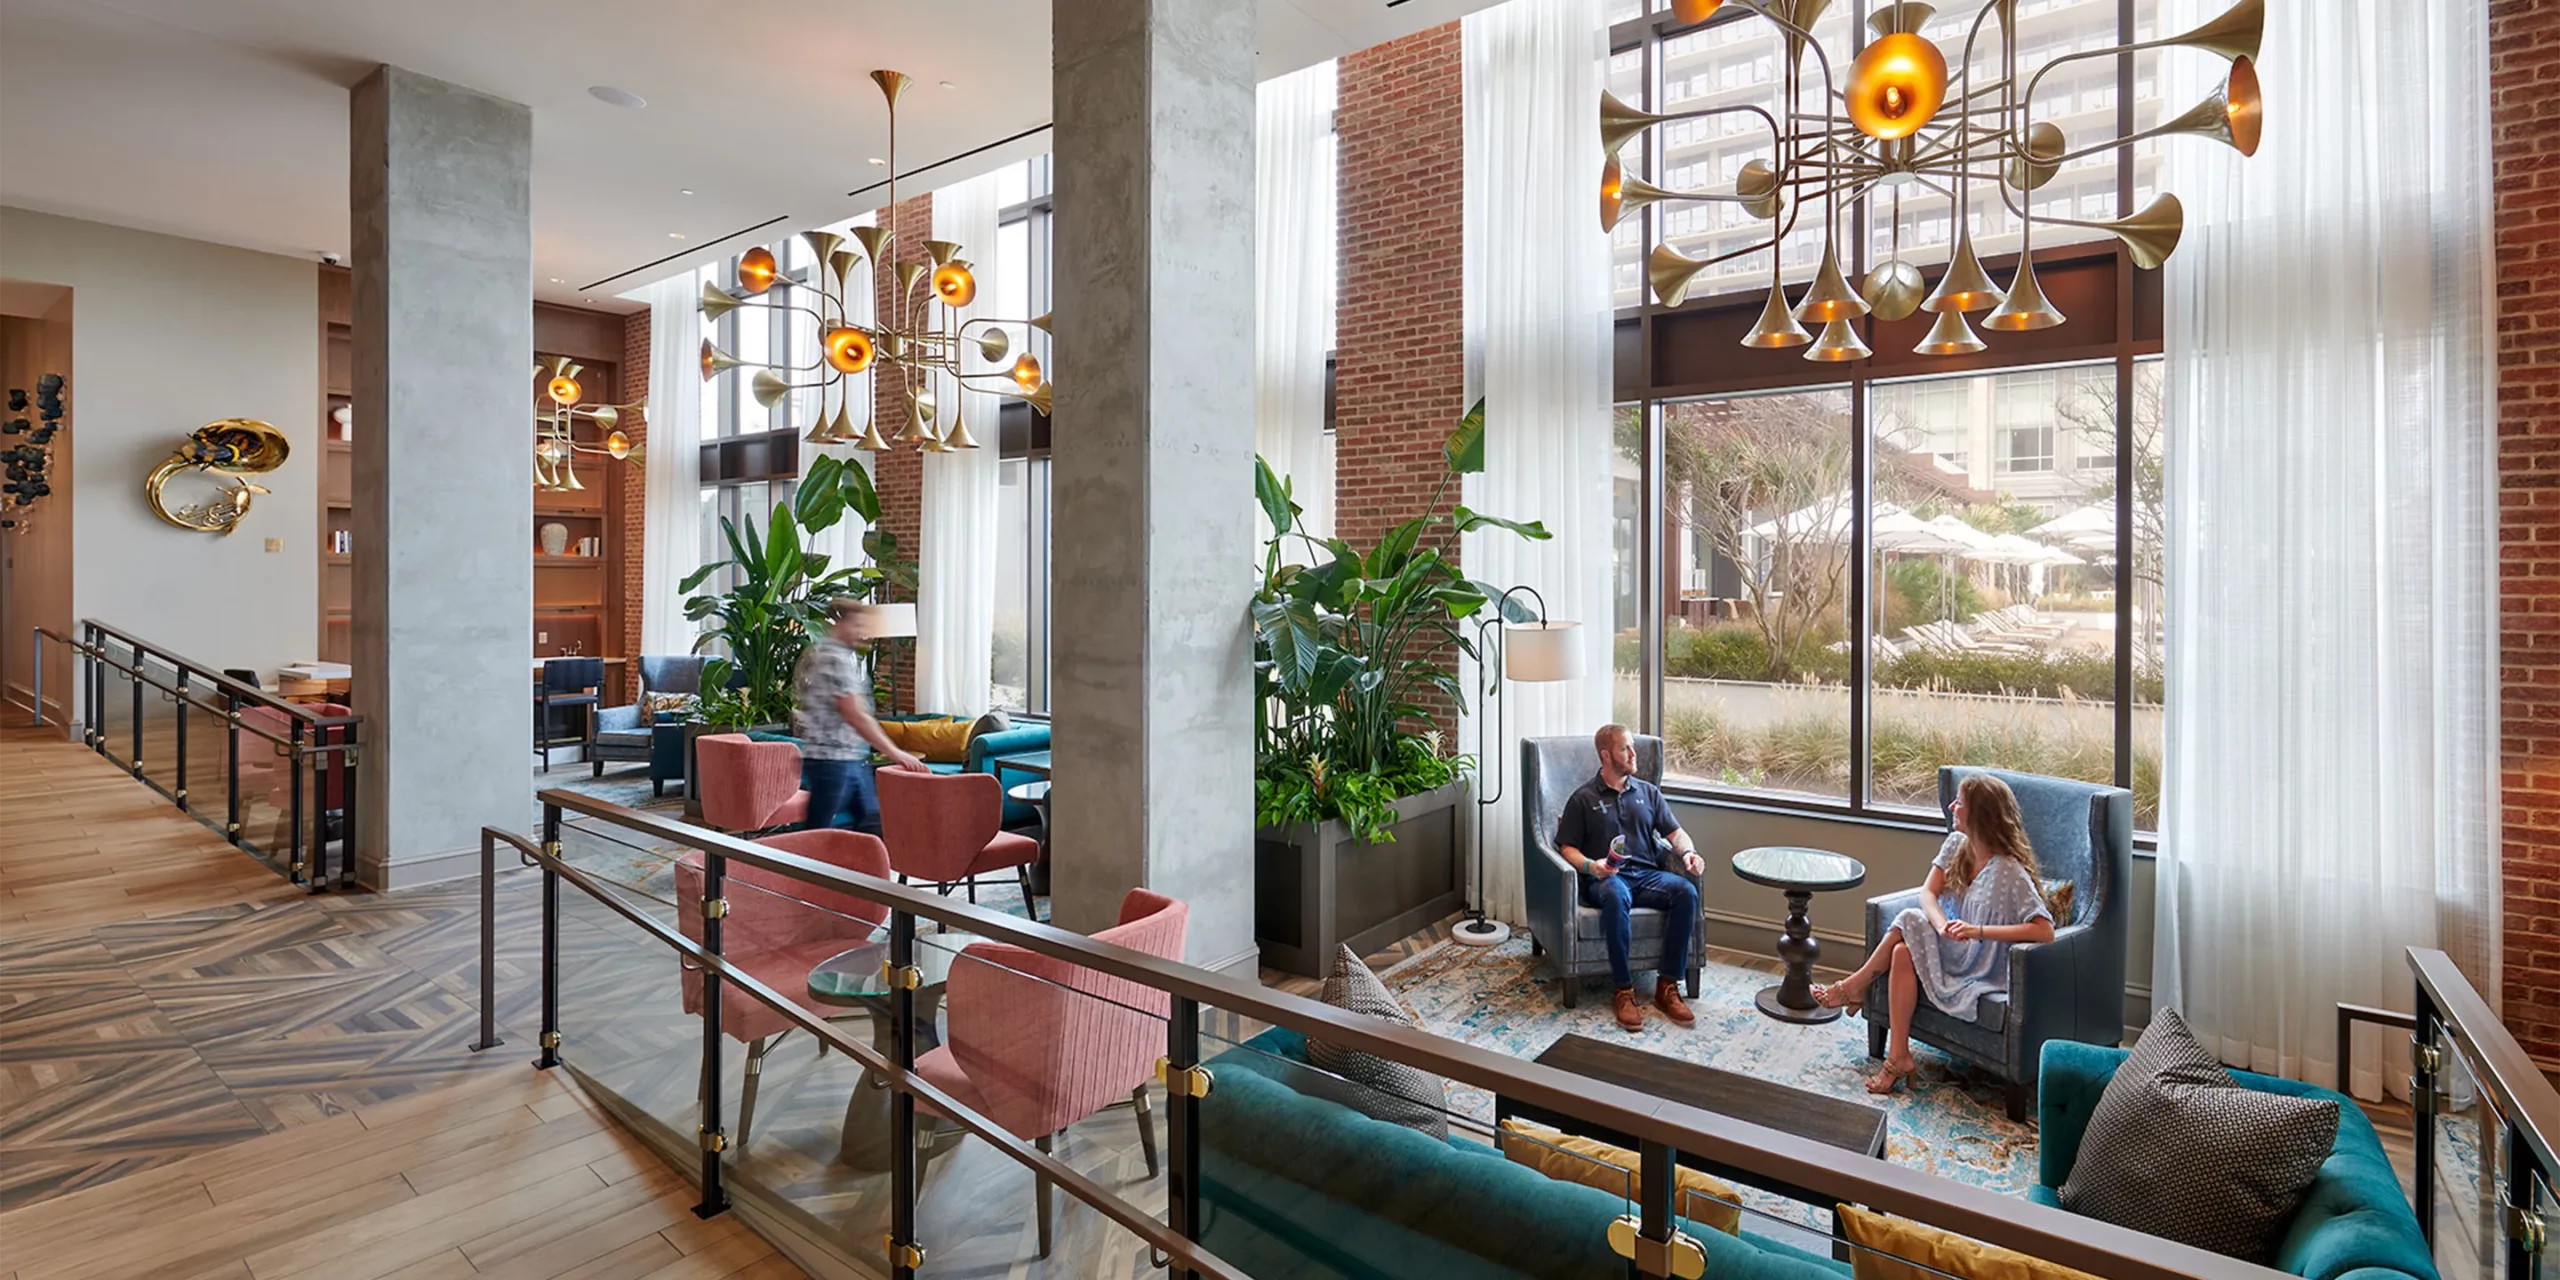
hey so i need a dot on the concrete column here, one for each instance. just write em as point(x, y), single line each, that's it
point(1152, 474)
point(441, 194)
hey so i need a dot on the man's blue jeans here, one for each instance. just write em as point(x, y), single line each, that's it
point(841, 789)
point(1668, 892)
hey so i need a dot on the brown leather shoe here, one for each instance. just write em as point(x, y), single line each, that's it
point(1624, 1003)
point(1666, 995)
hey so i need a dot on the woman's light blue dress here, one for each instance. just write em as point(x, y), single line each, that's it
point(1956, 975)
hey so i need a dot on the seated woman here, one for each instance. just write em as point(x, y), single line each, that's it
point(1982, 894)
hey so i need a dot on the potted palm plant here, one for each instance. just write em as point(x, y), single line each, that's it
point(777, 597)
point(1357, 799)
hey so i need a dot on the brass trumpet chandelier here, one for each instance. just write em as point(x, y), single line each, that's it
point(918, 336)
point(1897, 118)
point(560, 404)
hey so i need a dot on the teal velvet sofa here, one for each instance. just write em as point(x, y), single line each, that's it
point(1295, 1186)
point(2354, 1223)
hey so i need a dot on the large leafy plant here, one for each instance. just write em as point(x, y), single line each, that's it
point(1345, 652)
point(780, 591)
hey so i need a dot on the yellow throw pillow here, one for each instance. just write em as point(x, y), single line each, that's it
point(1566, 1158)
point(1900, 1249)
point(938, 741)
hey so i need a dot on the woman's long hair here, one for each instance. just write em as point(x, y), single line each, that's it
point(1991, 810)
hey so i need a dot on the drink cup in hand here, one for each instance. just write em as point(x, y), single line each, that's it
point(1617, 852)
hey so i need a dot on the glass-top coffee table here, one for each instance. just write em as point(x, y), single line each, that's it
point(1801, 873)
point(852, 979)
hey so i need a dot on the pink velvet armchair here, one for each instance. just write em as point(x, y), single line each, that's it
point(946, 829)
point(778, 929)
point(749, 785)
point(1038, 1043)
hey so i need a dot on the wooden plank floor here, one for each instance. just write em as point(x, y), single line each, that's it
point(516, 1175)
point(281, 1082)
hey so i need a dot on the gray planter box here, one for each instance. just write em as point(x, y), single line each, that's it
point(1316, 888)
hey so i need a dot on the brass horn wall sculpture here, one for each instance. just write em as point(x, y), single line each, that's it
point(1904, 119)
point(228, 450)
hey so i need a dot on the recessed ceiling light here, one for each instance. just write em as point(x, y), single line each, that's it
point(684, 191)
point(675, 235)
point(555, 279)
point(948, 85)
point(878, 160)
point(618, 97)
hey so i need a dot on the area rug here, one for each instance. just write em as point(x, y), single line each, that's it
point(1503, 998)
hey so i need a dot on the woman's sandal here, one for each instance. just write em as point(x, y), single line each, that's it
point(1833, 995)
point(1890, 1079)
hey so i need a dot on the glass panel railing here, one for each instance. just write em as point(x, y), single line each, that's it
point(115, 718)
point(158, 729)
point(2469, 1134)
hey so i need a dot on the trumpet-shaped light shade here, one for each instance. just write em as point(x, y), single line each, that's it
point(2045, 145)
point(1757, 184)
point(2026, 308)
point(849, 350)
point(993, 343)
point(2232, 115)
point(563, 390)
point(1692, 12)
point(716, 361)
point(1966, 286)
point(1613, 193)
point(872, 441)
point(1542, 652)
point(1041, 399)
point(1830, 299)
point(953, 284)
point(958, 437)
point(1839, 343)
point(2236, 33)
point(2151, 234)
point(1950, 336)
point(756, 270)
point(617, 445)
point(1619, 122)
point(1894, 290)
point(1896, 86)
point(1041, 321)
point(716, 301)
point(1026, 372)
point(1777, 327)
point(1670, 274)
point(769, 388)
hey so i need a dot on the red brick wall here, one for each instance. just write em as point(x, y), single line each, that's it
point(899, 472)
point(631, 493)
point(1399, 360)
point(2524, 65)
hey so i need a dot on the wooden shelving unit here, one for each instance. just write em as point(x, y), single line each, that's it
point(337, 460)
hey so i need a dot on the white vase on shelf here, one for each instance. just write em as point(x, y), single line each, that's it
point(555, 539)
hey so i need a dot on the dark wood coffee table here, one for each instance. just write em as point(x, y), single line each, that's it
point(1850, 1126)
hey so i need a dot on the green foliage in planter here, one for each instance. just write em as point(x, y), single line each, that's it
point(1346, 651)
point(782, 592)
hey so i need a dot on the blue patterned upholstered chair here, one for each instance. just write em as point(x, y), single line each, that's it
point(1567, 933)
point(2071, 988)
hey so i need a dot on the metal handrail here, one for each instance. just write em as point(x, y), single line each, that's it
point(2518, 1160)
point(2523, 1094)
point(2009, 1222)
point(1076, 1184)
point(243, 694)
point(247, 692)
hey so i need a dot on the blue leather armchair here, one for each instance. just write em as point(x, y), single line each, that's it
point(624, 733)
point(2071, 988)
point(1568, 933)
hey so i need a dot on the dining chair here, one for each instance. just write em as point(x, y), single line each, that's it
point(748, 785)
point(778, 929)
point(566, 682)
point(946, 829)
point(1037, 1043)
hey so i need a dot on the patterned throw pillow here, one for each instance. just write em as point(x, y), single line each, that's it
point(2057, 898)
point(2179, 1149)
point(1383, 1090)
point(658, 704)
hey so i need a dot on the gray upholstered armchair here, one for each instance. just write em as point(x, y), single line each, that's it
point(624, 733)
point(2071, 988)
point(1568, 933)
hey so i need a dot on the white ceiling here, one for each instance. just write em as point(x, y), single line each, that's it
point(226, 120)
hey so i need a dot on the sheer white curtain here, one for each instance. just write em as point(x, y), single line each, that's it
point(2332, 684)
point(1537, 317)
point(841, 542)
point(671, 529)
point(956, 587)
point(1293, 285)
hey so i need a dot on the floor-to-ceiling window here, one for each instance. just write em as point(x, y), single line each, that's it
point(1832, 580)
point(1020, 674)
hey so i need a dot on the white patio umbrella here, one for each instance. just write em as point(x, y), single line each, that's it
point(2072, 526)
point(1826, 521)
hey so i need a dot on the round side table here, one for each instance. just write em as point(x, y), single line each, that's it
point(1800, 873)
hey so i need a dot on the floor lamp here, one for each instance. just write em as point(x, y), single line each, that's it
point(1539, 651)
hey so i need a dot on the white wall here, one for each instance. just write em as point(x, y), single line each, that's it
point(168, 335)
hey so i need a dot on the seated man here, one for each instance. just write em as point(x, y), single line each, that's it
point(1619, 833)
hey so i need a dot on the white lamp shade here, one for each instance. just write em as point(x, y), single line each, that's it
point(1542, 652)
point(890, 621)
